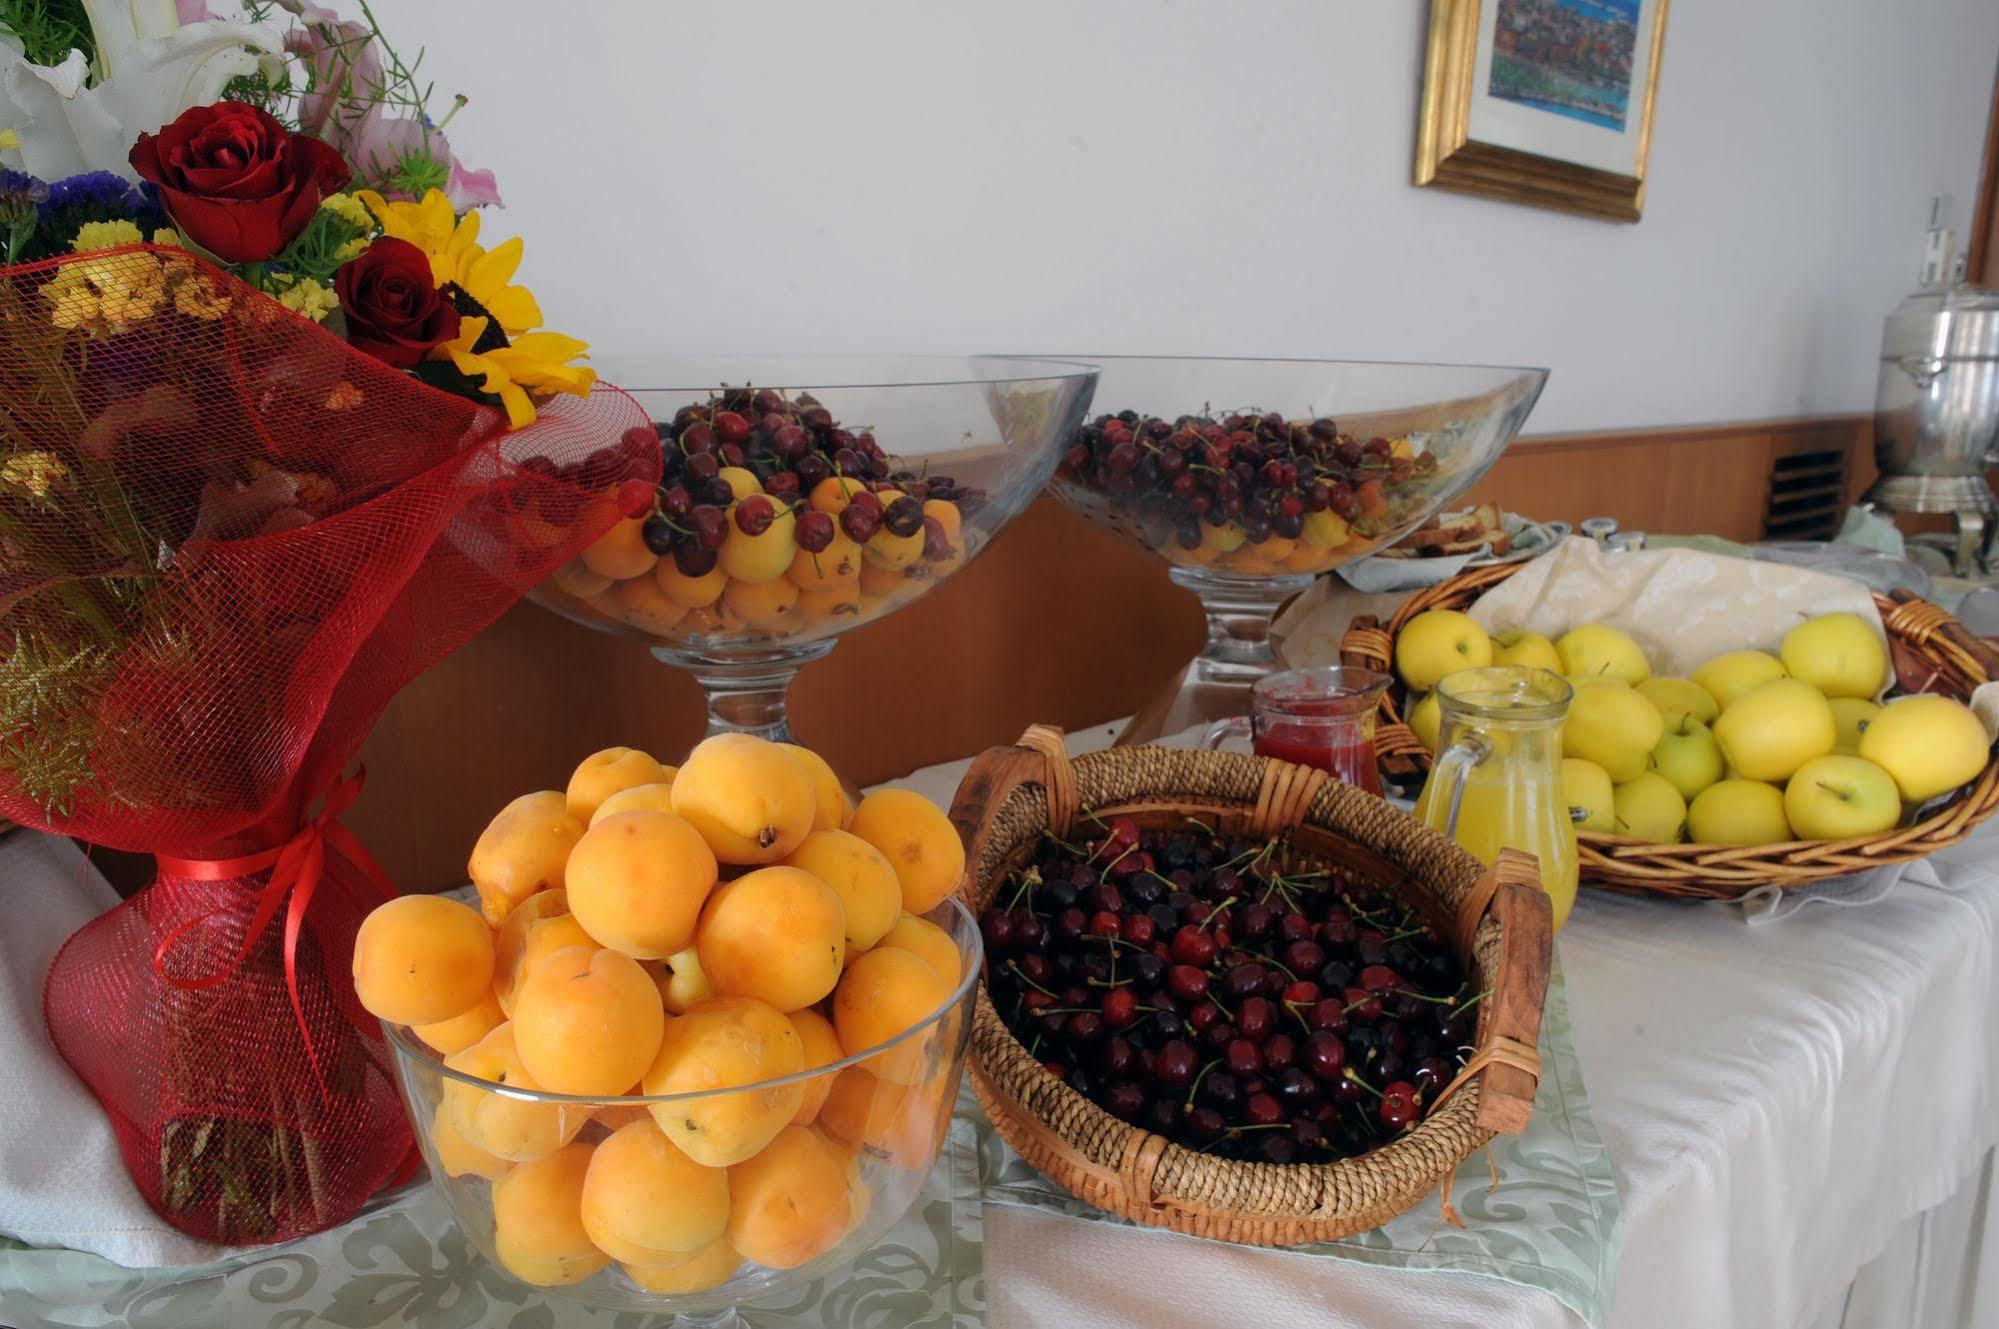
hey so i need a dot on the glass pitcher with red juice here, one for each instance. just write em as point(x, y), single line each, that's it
point(1314, 717)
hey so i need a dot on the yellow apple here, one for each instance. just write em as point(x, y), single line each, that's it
point(1426, 720)
point(1738, 812)
point(1774, 728)
point(1530, 650)
point(1650, 809)
point(1842, 655)
point(1727, 677)
point(1838, 798)
point(1586, 785)
point(1687, 756)
point(1612, 726)
point(1596, 651)
point(1677, 697)
point(1852, 715)
point(1439, 642)
point(1930, 744)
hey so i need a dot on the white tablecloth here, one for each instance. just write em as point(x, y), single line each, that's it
point(1783, 1105)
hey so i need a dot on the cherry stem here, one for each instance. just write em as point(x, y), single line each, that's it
point(1216, 913)
point(1350, 1075)
point(1195, 1084)
point(1015, 970)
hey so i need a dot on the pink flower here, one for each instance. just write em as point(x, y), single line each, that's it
point(345, 67)
point(379, 144)
point(192, 11)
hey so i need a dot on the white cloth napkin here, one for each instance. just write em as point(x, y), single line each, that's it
point(62, 1179)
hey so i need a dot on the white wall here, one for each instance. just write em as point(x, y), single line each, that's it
point(1207, 176)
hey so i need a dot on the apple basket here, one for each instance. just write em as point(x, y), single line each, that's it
point(1930, 650)
point(1497, 919)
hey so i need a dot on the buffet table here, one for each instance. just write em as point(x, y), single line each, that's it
point(1801, 1114)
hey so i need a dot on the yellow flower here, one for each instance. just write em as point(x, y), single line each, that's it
point(169, 237)
point(33, 473)
point(9, 139)
point(303, 295)
point(350, 251)
point(105, 297)
point(498, 339)
point(344, 396)
point(457, 258)
point(199, 295)
point(350, 210)
point(106, 235)
point(533, 363)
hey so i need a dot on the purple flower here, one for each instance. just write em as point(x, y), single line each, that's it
point(100, 196)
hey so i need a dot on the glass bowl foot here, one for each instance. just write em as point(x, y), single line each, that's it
point(746, 689)
point(1240, 650)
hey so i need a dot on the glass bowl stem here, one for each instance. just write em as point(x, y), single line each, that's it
point(747, 690)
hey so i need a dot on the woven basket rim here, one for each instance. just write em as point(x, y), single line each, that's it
point(1716, 871)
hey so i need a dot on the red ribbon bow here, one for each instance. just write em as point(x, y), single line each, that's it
point(296, 867)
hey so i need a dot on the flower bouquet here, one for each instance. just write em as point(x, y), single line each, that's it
point(277, 432)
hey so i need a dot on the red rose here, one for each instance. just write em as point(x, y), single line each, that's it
point(394, 310)
point(235, 181)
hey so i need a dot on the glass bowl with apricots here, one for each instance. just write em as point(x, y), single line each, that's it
point(802, 498)
point(699, 1039)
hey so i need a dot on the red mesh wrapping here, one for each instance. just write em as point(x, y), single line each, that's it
point(226, 540)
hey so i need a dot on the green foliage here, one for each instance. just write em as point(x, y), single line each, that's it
point(47, 29)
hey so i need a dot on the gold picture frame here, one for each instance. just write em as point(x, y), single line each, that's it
point(1450, 157)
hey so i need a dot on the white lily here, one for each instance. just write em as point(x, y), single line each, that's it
point(152, 69)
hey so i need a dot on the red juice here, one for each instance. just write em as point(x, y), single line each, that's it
point(1335, 744)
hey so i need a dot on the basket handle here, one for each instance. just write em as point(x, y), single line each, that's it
point(1040, 758)
point(1365, 645)
point(1511, 1028)
point(1920, 620)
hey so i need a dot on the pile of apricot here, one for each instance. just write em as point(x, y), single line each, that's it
point(692, 931)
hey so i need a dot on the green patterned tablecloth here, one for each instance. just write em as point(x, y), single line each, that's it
point(1551, 1224)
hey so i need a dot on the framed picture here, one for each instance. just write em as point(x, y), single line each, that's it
point(1546, 102)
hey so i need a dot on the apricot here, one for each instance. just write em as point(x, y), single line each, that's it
point(653, 797)
point(511, 1128)
point(538, 1220)
point(588, 1021)
point(637, 881)
point(790, 1202)
point(835, 566)
point(694, 592)
point(646, 1202)
point(831, 806)
point(777, 934)
point(918, 840)
point(882, 581)
point(884, 992)
point(711, 1266)
point(749, 799)
point(540, 926)
point(761, 557)
point(640, 602)
point(580, 581)
point(870, 895)
point(611, 771)
point(620, 552)
point(822, 1048)
point(685, 983)
point(462, 1031)
point(949, 518)
point(458, 1156)
point(932, 944)
point(817, 608)
point(617, 1116)
point(895, 1123)
point(522, 850)
point(834, 493)
point(720, 1044)
point(887, 549)
point(741, 480)
point(419, 959)
point(762, 604)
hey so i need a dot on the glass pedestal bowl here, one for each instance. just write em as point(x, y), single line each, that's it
point(1251, 478)
point(748, 564)
point(808, 1201)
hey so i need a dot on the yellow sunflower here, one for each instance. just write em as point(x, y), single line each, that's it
point(498, 341)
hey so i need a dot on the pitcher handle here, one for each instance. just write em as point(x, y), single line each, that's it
point(1452, 767)
point(1236, 726)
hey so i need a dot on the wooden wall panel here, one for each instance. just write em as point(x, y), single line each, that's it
point(1057, 622)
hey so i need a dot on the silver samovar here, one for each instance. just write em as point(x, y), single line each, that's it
point(1936, 415)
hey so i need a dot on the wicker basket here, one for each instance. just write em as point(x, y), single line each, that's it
point(1927, 644)
point(1499, 917)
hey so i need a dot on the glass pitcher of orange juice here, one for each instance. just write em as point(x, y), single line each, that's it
point(1498, 783)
